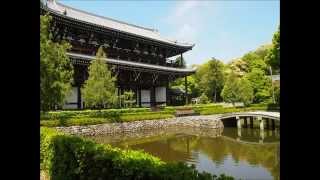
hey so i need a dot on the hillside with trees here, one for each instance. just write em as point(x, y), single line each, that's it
point(246, 79)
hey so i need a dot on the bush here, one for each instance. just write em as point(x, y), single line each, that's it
point(95, 117)
point(203, 99)
point(74, 122)
point(70, 157)
point(137, 117)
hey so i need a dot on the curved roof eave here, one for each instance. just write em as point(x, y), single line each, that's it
point(135, 64)
point(106, 22)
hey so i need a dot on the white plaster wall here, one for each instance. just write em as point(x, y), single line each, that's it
point(70, 106)
point(160, 94)
point(145, 97)
point(72, 98)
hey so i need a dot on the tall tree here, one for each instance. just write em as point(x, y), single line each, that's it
point(99, 90)
point(254, 61)
point(245, 91)
point(273, 57)
point(56, 70)
point(211, 78)
point(230, 91)
point(261, 85)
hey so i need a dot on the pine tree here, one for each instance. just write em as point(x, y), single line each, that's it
point(56, 69)
point(99, 90)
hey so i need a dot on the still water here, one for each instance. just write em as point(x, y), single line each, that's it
point(243, 154)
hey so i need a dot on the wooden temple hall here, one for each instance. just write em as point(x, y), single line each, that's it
point(138, 55)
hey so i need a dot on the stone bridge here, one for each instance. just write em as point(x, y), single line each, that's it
point(263, 117)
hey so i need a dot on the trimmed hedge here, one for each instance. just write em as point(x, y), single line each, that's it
point(106, 113)
point(70, 157)
point(128, 118)
point(90, 117)
point(74, 122)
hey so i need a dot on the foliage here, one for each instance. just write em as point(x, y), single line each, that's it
point(150, 116)
point(261, 85)
point(128, 98)
point(220, 110)
point(253, 61)
point(91, 117)
point(263, 50)
point(273, 56)
point(192, 86)
point(79, 121)
point(99, 90)
point(231, 92)
point(238, 66)
point(69, 157)
point(277, 93)
point(85, 120)
point(56, 69)
point(180, 62)
point(204, 99)
point(210, 77)
point(245, 91)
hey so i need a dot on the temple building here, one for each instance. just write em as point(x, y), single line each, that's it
point(139, 56)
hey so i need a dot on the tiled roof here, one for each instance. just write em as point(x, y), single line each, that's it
point(110, 23)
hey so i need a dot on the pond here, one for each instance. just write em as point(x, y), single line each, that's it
point(246, 153)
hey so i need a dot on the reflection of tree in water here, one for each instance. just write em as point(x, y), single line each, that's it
point(215, 148)
point(170, 146)
point(218, 148)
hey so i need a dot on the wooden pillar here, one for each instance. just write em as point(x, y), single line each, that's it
point(139, 92)
point(167, 93)
point(152, 96)
point(186, 88)
point(79, 97)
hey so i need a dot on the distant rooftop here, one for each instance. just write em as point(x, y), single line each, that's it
point(110, 23)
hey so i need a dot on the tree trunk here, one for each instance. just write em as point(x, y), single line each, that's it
point(215, 94)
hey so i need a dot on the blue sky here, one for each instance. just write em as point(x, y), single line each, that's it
point(221, 29)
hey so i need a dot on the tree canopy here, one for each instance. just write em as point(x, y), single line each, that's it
point(230, 91)
point(210, 77)
point(99, 90)
point(56, 70)
point(261, 85)
point(273, 56)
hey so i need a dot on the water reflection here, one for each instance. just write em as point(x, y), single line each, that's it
point(246, 153)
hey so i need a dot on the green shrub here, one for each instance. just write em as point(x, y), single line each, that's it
point(70, 157)
point(74, 122)
point(128, 118)
point(204, 99)
point(92, 119)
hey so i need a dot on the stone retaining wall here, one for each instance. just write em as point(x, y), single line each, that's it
point(205, 122)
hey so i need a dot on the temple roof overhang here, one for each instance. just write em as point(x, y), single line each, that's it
point(136, 65)
point(108, 23)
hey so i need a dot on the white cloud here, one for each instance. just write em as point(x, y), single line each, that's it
point(187, 21)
